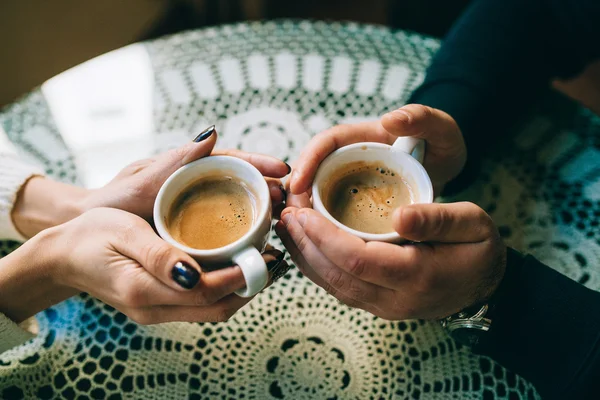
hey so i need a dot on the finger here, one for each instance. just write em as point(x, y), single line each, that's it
point(448, 223)
point(333, 274)
point(311, 274)
point(298, 200)
point(169, 162)
point(267, 165)
point(302, 200)
point(218, 312)
point(173, 267)
point(212, 287)
point(328, 141)
point(433, 125)
point(382, 264)
point(276, 191)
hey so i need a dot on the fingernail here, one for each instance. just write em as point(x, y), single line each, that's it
point(301, 217)
point(184, 275)
point(278, 267)
point(283, 193)
point(288, 167)
point(402, 116)
point(281, 270)
point(273, 264)
point(205, 134)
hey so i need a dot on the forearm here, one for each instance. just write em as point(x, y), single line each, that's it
point(29, 278)
point(43, 203)
point(498, 58)
point(546, 328)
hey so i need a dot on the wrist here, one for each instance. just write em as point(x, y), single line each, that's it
point(30, 277)
point(43, 203)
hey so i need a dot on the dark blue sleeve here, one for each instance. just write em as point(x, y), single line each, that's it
point(493, 64)
point(501, 54)
point(546, 328)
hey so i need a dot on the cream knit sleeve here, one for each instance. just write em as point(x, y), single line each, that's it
point(14, 172)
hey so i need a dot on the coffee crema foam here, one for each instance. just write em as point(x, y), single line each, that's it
point(212, 212)
point(363, 196)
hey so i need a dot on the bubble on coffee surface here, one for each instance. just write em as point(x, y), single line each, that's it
point(364, 195)
point(212, 213)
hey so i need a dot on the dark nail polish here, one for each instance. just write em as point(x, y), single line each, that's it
point(280, 269)
point(205, 134)
point(289, 168)
point(283, 193)
point(273, 264)
point(184, 275)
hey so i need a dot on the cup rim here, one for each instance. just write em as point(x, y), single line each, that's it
point(262, 191)
point(380, 237)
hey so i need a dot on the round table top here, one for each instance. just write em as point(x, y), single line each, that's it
point(269, 87)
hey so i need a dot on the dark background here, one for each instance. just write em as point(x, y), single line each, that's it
point(43, 38)
point(432, 17)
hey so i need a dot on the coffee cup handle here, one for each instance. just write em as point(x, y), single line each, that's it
point(413, 146)
point(255, 271)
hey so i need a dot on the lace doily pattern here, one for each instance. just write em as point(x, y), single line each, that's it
point(269, 88)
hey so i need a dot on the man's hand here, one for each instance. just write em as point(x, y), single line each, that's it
point(445, 154)
point(459, 261)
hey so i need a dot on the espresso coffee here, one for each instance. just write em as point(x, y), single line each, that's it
point(363, 196)
point(211, 213)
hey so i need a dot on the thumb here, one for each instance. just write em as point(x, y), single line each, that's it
point(421, 122)
point(200, 147)
point(446, 223)
point(168, 264)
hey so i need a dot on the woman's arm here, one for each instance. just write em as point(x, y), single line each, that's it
point(43, 203)
point(37, 203)
point(29, 278)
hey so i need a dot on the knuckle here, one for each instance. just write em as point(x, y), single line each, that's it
point(336, 130)
point(357, 292)
point(356, 265)
point(419, 111)
point(335, 279)
point(202, 298)
point(442, 220)
point(126, 230)
point(133, 297)
point(157, 254)
point(330, 289)
point(179, 153)
point(302, 244)
point(137, 166)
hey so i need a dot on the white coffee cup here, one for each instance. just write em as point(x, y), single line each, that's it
point(245, 251)
point(404, 157)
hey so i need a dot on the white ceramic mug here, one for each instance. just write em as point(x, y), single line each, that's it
point(404, 157)
point(246, 251)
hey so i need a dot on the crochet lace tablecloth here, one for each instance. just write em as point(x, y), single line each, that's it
point(269, 87)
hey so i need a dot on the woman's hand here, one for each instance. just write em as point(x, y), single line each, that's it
point(445, 154)
point(43, 203)
point(136, 186)
point(459, 261)
point(117, 257)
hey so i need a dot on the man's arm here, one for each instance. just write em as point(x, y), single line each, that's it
point(546, 328)
point(498, 57)
point(501, 55)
